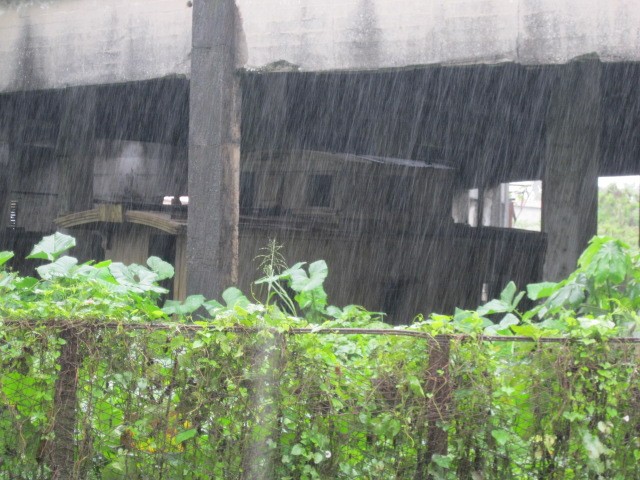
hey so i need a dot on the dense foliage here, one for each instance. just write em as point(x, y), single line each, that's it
point(163, 392)
point(619, 212)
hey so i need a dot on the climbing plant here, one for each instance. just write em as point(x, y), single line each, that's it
point(272, 390)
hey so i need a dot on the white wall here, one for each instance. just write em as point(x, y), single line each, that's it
point(54, 43)
point(364, 34)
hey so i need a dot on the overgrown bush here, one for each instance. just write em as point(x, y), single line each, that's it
point(165, 393)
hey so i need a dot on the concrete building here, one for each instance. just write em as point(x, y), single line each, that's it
point(106, 108)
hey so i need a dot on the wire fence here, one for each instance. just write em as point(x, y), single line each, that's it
point(149, 401)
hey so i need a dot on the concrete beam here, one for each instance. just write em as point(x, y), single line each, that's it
point(54, 43)
point(570, 178)
point(214, 150)
point(371, 34)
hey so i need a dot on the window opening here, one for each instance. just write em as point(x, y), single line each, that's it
point(319, 190)
point(619, 208)
point(526, 205)
point(247, 192)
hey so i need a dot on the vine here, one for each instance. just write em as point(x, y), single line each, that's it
point(254, 391)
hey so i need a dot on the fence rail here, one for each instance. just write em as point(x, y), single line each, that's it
point(193, 328)
point(109, 400)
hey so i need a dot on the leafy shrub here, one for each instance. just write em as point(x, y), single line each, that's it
point(165, 393)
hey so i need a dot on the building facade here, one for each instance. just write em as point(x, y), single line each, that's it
point(348, 131)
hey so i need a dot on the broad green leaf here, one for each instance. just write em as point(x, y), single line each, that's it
point(135, 278)
point(298, 280)
point(501, 436)
point(554, 324)
point(318, 272)
point(121, 273)
point(52, 246)
point(186, 435)
point(509, 320)
point(416, 387)
point(526, 331)
point(536, 291)
point(502, 327)
point(469, 322)
point(508, 293)
point(190, 305)
point(314, 300)
point(610, 263)
point(293, 269)
point(5, 257)
point(26, 283)
point(570, 295)
point(297, 450)
point(213, 307)
point(234, 297)
point(62, 267)
point(85, 270)
point(162, 269)
point(443, 461)
point(387, 426)
point(592, 249)
point(285, 275)
point(599, 324)
point(193, 302)
point(573, 416)
point(494, 306)
point(516, 301)
point(301, 282)
point(142, 275)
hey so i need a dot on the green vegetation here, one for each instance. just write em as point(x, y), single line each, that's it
point(165, 393)
point(619, 212)
point(618, 209)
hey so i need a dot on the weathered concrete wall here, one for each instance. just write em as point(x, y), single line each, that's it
point(369, 34)
point(53, 43)
point(361, 193)
point(405, 275)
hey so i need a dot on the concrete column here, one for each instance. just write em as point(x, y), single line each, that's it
point(75, 151)
point(7, 167)
point(180, 278)
point(495, 212)
point(460, 206)
point(4, 208)
point(214, 150)
point(570, 178)
point(5, 197)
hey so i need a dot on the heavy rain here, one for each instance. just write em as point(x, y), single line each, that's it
point(397, 140)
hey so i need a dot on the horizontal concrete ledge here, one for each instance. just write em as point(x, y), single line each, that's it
point(52, 44)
